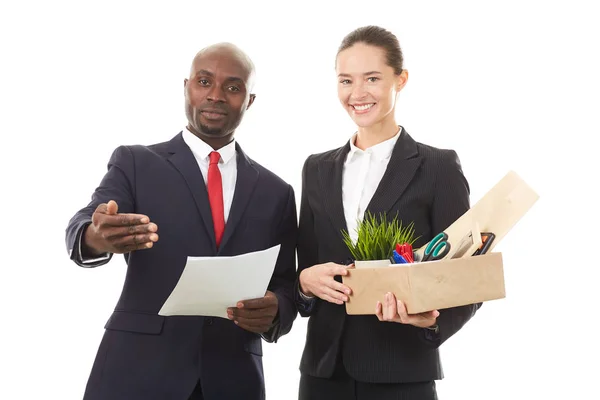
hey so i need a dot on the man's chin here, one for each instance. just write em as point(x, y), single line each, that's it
point(211, 130)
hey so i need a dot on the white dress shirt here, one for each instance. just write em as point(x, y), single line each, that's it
point(227, 165)
point(363, 170)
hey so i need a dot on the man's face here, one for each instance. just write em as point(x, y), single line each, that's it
point(217, 93)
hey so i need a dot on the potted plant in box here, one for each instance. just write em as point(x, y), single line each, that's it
point(377, 238)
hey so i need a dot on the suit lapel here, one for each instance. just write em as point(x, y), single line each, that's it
point(182, 158)
point(330, 183)
point(401, 169)
point(247, 176)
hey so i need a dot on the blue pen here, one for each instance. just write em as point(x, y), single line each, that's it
point(398, 259)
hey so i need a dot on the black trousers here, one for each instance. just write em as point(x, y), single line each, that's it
point(197, 393)
point(342, 386)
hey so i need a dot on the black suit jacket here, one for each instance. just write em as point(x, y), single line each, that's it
point(146, 356)
point(422, 184)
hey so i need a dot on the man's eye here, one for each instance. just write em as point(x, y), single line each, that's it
point(345, 81)
point(203, 82)
point(372, 79)
point(234, 89)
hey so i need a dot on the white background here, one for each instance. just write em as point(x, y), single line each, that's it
point(508, 85)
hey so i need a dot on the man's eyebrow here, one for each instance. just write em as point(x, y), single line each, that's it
point(235, 79)
point(205, 72)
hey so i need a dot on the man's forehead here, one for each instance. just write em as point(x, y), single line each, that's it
point(221, 61)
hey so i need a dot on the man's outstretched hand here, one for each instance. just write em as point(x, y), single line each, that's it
point(255, 315)
point(111, 232)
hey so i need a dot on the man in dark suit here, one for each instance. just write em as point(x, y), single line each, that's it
point(392, 355)
point(204, 197)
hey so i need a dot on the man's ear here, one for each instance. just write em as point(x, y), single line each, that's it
point(252, 97)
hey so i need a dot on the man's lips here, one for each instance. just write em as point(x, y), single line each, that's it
point(213, 113)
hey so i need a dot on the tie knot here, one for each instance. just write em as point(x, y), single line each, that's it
point(214, 157)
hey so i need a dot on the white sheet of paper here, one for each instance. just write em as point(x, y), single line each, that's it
point(208, 285)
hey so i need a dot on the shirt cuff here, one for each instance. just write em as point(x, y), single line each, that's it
point(432, 335)
point(304, 296)
point(87, 260)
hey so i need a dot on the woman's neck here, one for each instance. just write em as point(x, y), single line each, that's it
point(375, 134)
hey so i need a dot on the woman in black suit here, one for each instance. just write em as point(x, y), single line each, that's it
point(392, 355)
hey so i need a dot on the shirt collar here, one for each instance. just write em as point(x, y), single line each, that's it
point(380, 151)
point(202, 150)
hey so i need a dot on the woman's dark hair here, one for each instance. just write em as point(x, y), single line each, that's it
point(379, 37)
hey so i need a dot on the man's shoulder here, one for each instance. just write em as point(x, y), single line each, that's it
point(137, 149)
point(268, 175)
point(161, 147)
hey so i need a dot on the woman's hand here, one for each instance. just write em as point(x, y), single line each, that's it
point(395, 311)
point(318, 281)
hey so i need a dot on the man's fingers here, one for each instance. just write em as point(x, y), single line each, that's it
point(251, 313)
point(112, 207)
point(101, 209)
point(254, 327)
point(254, 322)
point(118, 232)
point(136, 241)
point(133, 247)
point(261, 302)
point(123, 220)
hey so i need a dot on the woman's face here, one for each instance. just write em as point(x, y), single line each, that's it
point(367, 86)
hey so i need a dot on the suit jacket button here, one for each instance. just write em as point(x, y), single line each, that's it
point(209, 321)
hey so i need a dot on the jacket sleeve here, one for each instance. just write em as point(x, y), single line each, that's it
point(307, 245)
point(284, 276)
point(117, 185)
point(451, 201)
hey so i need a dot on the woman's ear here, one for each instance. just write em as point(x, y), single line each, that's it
point(401, 80)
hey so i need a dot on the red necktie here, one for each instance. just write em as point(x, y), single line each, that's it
point(215, 195)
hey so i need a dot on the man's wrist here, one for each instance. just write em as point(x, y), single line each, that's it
point(87, 250)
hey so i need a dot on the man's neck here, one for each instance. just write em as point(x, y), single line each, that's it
point(215, 142)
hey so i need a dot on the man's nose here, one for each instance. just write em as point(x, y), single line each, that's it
point(216, 94)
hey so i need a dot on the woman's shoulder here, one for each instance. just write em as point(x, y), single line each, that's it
point(437, 154)
point(330, 155)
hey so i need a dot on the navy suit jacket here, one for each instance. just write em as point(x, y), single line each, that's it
point(146, 356)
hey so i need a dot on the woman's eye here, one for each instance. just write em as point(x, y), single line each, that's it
point(345, 81)
point(372, 79)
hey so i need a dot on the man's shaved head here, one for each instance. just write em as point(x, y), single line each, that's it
point(234, 52)
point(218, 92)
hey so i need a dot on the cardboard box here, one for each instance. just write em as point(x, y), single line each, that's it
point(427, 286)
point(450, 282)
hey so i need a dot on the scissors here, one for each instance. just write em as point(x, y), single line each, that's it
point(438, 248)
